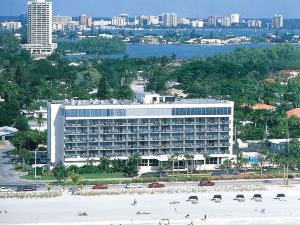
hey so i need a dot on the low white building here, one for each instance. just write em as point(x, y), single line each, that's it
point(152, 126)
point(197, 23)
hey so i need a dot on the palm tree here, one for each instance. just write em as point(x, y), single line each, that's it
point(227, 164)
point(206, 157)
point(188, 158)
point(261, 161)
point(172, 160)
point(40, 120)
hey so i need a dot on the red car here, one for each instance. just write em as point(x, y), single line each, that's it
point(206, 183)
point(100, 186)
point(156, 185)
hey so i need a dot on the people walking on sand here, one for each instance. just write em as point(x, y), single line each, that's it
point(175, 209)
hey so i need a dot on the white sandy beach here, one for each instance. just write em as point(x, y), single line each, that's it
point(117, 209)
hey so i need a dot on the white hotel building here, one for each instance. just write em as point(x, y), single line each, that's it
point(152, 126)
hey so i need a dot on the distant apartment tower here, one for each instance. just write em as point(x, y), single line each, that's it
point(61, 19)
point(118, 21)
point(83, 20)
point(224, 21)
point(170, 19)
point(153, 20)
point(254, 23)
point(183, 21)
point(60, 22)
point(212, 21)
point(89, 22)
point(40, 28)
point(277, 21)
point(12, 25)
point(234, 18)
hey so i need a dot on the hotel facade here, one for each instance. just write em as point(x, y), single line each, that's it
point(151, 126)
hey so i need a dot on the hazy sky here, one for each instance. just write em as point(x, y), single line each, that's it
point(184, 8)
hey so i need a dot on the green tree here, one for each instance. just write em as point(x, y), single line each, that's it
point(22, 123)
point(104, 164)
point(75, 178)
point(40, 120)
point(227, 164)
point(60, 173)
point(103, 90)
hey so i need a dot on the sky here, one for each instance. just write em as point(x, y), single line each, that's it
point(184, 8)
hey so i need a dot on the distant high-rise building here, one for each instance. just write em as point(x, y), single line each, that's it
point(11, 25)
point(83, 20)
point(212, 21)
point(234, 18)
point(224, 21)
point(170, 19)
point(60, 22)
point(153, 20)
point(254, 23)
point(144, 20)
point(118, 21)
point(89, 22)
point(277, 21)
point(40, 28)
point(183, 21)
point(62, 19)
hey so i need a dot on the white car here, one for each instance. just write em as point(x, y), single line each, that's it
point(5, 189)
point(132, 186)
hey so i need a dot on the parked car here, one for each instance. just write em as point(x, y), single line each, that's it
point(257, 197)
point(206, 183)
point(240, 198)
point(156, 185)
point(192, 198)
point(280, 197)
point(5, 189)
point(217, 198)
point(100, 186)
point(133, 186)
point(26, 188)
point(267, 181)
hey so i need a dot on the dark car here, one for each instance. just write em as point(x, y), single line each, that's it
point(193, 198)
point(156, 185)
point(206, 183)
point(26, 188)
point(100, 186)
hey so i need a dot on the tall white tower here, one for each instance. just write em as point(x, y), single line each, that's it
point(40, 28)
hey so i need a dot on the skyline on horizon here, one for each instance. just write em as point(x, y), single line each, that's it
point(190, 8)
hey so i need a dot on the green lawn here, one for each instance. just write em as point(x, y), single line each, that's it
point(30, 177)
point(84, 176)
point(102, 175)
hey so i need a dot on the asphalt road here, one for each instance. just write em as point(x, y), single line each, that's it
point(8, 176)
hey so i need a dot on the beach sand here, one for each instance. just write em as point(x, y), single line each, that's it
point(118, 209)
